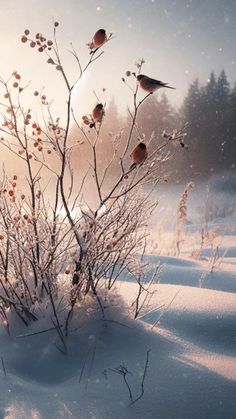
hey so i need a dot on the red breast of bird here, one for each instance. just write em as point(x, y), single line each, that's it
point(99, 38)
point(98, 112)
point(139, 153)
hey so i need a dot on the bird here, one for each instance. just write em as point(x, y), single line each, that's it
point(151, 85)
point(99, 38)
point(138, 155)
point(97, 114)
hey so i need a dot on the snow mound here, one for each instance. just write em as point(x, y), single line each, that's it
point(189, 374)
point(178, 271)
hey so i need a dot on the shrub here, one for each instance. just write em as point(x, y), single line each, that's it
point(49, 235)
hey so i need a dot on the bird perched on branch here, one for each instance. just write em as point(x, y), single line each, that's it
point(151, 85)
point(138, 155)
point(97, 115)
point(99, 38)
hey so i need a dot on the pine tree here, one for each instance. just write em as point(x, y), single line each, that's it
point(210, 111)
point(192, 112)
point(156, 115)
point(113, 121)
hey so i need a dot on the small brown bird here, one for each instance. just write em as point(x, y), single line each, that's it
point(138, 155)
point(151, 85)
point(97, 114)
point(100, 37)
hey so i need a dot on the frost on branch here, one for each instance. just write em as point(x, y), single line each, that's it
point(55, 247)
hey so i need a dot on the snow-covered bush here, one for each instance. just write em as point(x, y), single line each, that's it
point(50, 236)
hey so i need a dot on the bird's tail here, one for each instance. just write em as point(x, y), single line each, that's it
point(170, 87)
point(132, 166)
point(93, 50)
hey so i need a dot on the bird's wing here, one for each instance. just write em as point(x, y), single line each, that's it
point(160, 83)
point(156, 82)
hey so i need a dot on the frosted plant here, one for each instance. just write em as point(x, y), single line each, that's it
point(48, 227)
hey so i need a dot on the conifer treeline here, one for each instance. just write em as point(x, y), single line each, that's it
point(210, 110)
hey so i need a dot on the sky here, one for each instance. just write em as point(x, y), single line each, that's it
point(179, 40)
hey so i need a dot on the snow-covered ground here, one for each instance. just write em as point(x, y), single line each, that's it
point(186, 338)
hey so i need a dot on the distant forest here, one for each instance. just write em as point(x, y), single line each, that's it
point(209, 110)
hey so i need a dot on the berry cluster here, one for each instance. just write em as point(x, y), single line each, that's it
point(40, 42)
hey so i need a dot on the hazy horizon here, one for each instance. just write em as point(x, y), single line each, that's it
point(179, 40)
